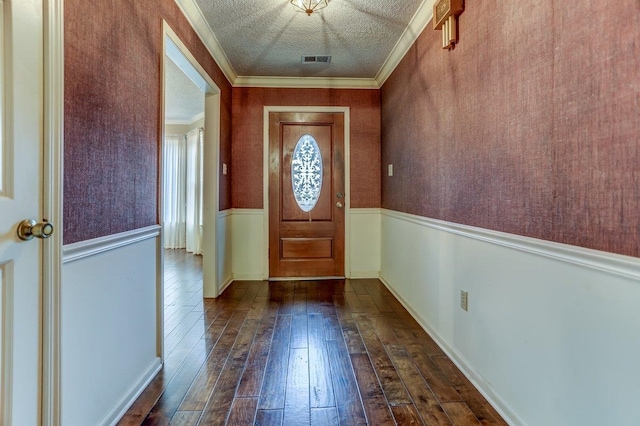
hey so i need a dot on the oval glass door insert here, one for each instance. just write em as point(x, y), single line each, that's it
point(306, 172)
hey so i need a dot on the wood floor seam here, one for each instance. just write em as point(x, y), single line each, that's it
point(322, 353)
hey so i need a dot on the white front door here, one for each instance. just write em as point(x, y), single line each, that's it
point(21, 163)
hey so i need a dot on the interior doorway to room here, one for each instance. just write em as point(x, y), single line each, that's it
point(307, 199)
point(182, 153)
point(189, 174)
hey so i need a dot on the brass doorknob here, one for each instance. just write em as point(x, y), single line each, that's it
point(29, 228)
point(339, 204)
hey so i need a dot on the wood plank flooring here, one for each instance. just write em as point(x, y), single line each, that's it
point(341, 352)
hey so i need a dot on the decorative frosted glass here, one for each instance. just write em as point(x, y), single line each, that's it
point(306, 172)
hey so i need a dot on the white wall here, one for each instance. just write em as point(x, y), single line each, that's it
point(250, 239)
point(248, 244)
point(223, 250)
point(552, 334)
point(364, 249)
point(109, 325)
point(181, 129)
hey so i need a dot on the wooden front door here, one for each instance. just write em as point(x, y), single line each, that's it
point(306, 201)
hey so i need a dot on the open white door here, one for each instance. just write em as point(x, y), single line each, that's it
point(21, 175)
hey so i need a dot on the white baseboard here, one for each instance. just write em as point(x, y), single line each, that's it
point(134, 392)
point(483, 387)
point(226, 283)
point(364, 274)
point(248, 277)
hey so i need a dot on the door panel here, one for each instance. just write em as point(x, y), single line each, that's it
point(306, 243)
point(21, 112)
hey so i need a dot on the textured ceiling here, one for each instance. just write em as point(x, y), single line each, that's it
point(268, 37)
point(184, 101)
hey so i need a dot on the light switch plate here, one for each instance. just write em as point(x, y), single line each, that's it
point(224, 168)
point(464, 300)
point(390, 169)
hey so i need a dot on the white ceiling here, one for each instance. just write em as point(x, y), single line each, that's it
point(184, 101)
point(261, 42)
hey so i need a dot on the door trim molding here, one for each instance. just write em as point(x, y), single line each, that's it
point(53, 21)
point(192, 68)
point(347, 178)
point(211, 154)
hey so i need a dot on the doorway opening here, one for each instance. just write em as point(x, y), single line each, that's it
point(343, 198)
point(189, 167)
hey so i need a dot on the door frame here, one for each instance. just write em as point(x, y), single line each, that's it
point(53, 147)
point(210, 178)
point(347, 179)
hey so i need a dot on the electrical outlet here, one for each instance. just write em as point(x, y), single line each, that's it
point(464, 300)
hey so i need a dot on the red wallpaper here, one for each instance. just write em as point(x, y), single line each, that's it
point(113, 53)
point(248, 110)
point(530, 126)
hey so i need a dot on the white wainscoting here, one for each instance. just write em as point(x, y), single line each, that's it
point(552, 332)
point(109, 351)
point(249, 244)
point(224, 250)
point(364, 247)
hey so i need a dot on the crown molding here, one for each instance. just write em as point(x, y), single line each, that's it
point(418, 23)
point(193, 14)
point(307, 82)
point(185, 121)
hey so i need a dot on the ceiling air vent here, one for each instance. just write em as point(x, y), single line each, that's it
point(316, 59)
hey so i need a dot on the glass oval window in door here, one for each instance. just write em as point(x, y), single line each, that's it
point(306, 172)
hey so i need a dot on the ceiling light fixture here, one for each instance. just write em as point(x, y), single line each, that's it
point(309, 6)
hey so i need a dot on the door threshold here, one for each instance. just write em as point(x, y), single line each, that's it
point(304, 278)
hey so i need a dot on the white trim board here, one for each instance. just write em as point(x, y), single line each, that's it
point(347, 175)
point(419, 21)
point(624, 266)
point(211, 152)
point(120, 409)
point(307, 82)
point(53, 199)
point(82, 249)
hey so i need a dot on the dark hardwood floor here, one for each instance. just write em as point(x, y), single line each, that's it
point(341, 352)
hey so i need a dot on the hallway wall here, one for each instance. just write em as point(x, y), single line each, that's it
point(551, 334)
point(113, 54)
point(529, 126)
point(248, 110)
point(112, 289)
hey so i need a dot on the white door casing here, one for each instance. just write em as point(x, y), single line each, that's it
point(175, 48)
point(347, 178)
point(21, 118)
